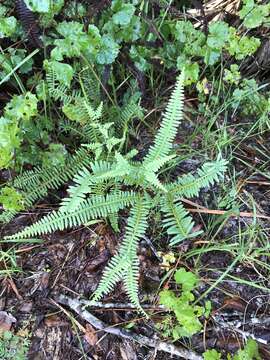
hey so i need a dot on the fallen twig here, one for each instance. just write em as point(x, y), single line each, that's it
point(121, 306)
point(223, 212)
point(76, 305)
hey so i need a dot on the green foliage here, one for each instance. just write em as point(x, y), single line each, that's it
point(22, 107)
point(76, 42)
point(11, 199)
point(17, 114)
point(10, 59)
point(106, 182)
point(249, 352)
point(252, 103)
point(242, 46)
point(211, 355)
point(254, 14)
point(186, 313)
point(55, 156)
point(63, 72)
point(13, 346)
point(45, 6)
point(7, 26)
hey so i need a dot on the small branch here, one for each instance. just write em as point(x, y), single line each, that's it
point(121, 306)
point(76, 306)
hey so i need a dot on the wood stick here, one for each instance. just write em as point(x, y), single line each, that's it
point(159, 345)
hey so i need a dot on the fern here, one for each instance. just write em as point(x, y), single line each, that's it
point(35, 184)
point(90, 86)
point(177, 221)
point(60, 91)
point(189, 185)
point(125, 265)
point(93, 208)
point(100, 190)
point(168, 129)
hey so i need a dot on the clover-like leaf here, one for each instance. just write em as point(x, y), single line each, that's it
point(22, 107)
point(187, 279)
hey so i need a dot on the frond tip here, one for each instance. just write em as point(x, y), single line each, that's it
point(173, 115)
point(125, 265)
point(189, 185)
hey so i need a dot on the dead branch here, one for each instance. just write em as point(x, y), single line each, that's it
point(76, 305)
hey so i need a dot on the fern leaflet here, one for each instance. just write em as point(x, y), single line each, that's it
point(177, 221)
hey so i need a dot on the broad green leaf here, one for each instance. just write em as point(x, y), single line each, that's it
point(63, 72)
point(191, 70)
point(108, 51)
point(187, 279)
point(211, 355)
point(41, 6)
point(124, 15)
point(7, 26)
point(22, 107)
point(254, 14)
point(11, 199)
point(218, 35)
point(250, 352)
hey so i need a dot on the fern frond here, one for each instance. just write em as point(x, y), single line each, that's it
point(189, 185)
point(35, 184)
point(155, 165)
point(78, 191)
point(125, 264)
point(59, 91)
point(177, 221)
point(90, 86)
point(93, 208)
point(85, 180)
point(114, 220)
point(152, 178)
point(128, 112)
point(171, 119)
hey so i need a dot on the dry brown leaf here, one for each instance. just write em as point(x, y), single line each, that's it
point(90, 335)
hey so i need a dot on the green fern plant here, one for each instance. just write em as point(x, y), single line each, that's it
point(135, 184)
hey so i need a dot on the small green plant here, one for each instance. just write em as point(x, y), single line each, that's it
point(254, 14)
point(13, 347)
point(11, 199)
point(249, 352)
point(186, 322)
point(107, 186)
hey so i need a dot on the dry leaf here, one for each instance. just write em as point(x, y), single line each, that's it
point(90, 335)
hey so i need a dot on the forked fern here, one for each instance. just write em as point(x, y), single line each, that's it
point(115, 175)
